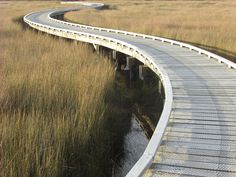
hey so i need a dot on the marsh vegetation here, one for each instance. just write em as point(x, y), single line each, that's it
point(59, 111)
point(59, 115)
point(208, 24)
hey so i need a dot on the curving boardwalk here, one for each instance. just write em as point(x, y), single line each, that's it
point(196, 134)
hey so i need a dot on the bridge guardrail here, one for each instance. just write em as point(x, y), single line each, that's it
point(220, 59)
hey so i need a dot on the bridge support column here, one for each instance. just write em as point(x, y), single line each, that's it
point(96, 48)
point(116, 60)
point(119, 60)
point(129, 61)
point(141, 71)
point(118, 64)
point(114, 54)
point(160, 87)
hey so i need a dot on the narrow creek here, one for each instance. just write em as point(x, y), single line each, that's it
point(134, 145)
point(147, 100)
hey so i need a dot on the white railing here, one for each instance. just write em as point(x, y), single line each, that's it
point(170, 41)
point(146, 159)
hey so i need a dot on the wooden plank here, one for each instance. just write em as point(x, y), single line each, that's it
point(200, 131)
point(173, 148)
point(201, 138)
point(200, 165)
point(189, 171)
point(197, 158)
point(203, 127)
point(200, 146)
point(203, 122)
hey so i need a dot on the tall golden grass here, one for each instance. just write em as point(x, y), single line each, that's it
point(54, 106)
point(208, 24)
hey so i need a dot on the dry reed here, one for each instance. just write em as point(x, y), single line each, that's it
point(53, 108)
point(208, 24)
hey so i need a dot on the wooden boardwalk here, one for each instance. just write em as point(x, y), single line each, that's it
point(200, 134)
point(200, 139)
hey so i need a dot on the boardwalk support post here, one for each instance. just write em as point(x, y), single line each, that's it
point(141, 71)
point(118, 65)
point(114, 54)
point(129, 61)
point(96, 47)
point(159, 86)
point(128, 67)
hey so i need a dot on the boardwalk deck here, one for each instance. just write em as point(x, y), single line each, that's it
point(200, 138)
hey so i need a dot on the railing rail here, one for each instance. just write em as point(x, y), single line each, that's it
point(146, 159)
point(220, 59)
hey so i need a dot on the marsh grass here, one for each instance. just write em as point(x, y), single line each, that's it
point(208, 24)
point(55, 106)
point(52, 107)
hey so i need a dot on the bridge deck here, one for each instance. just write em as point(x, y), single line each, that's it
point(200, 139)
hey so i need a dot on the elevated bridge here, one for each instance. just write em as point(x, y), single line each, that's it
point(196, 134)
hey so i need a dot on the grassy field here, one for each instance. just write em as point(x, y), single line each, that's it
point(56, 113)
point(59, 110)
point(210, 24)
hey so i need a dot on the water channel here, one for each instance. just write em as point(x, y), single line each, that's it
point(148, 101)
point(134, 145)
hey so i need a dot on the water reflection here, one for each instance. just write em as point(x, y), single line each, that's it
point(134, 146)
